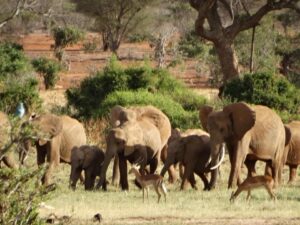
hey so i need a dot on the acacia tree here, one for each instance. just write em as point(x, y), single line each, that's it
point(220, 21)
point(113, 18)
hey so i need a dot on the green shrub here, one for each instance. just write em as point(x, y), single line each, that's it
point(191, 46)
point(64, 36)
point(12, 60)
point(175, 112)
point(17, 84)
point(264, 89)
point(89, 100)
point(49, 69)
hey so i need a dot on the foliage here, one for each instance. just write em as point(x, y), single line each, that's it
point(49, 69)
point(12, 60)
point(152, 84)
point(20, 192)
point(64, 36)
point(114, 18)
point(16, 81)
point(264, 89)
point(178, 116)
point(90, 46)
point(191, 46)
point(265, 57)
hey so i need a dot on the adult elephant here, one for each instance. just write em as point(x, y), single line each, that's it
point(56, 137)
point(293, 148)
point(192, 149)
point(140, 135)
point(5, 140)
point(255, 132)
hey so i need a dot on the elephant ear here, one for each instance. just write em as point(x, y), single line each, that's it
point(48, 125)
point(288, 135)
point(204, 112)
point(242, 118)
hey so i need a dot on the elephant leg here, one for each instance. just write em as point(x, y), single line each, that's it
point(9, 161)
point(181, 170)
point(192, 181)
point(53, 160)
point(293, 173)
point(172, 174)
point(213, 178)
point(123, 172)
point(153, 165)
point(250, 164)
point(89, 180)
point(116, 173)
point(205, 181)
point(75, 175)
point(187, 174)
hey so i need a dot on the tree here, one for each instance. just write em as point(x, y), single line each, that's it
point(113, 18)
point(12, 9)
point(220, 21)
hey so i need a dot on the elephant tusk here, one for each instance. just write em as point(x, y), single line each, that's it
point(222, 157)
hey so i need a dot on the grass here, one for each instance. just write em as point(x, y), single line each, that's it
point(182, 207)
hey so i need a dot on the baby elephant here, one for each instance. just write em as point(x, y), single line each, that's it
point(89, 159)
point(255, 182)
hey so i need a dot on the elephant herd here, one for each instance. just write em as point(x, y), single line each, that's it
point(143, 135)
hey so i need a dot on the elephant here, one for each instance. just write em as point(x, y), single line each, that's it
point(56, 137)
point(89, 159)
point(192, 149)
point(139, 137)
point(255, 132)
point(5, 128)
point(293, 148)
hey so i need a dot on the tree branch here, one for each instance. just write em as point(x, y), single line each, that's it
point(253, 20)
point(13, 15)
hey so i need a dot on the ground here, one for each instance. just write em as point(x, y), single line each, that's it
point(182, 207)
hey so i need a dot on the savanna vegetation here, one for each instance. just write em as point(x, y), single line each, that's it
point(249, 49)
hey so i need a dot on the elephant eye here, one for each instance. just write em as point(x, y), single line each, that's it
point(222, 129)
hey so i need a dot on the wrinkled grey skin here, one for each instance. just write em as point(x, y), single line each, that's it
point(88, 159)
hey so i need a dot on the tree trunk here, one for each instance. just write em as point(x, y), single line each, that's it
point(228, 59)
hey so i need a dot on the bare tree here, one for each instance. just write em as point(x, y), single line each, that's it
point(14, 8)
point(220, 21)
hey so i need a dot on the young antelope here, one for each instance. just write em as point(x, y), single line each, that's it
point(149, 179)
point(255, 182)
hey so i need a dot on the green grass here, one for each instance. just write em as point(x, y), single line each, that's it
point(182, 207)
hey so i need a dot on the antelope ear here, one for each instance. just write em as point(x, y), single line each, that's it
point(242, 117)
point(204, 112)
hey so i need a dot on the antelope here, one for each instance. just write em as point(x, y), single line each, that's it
point(255, 182)
point(147, 180)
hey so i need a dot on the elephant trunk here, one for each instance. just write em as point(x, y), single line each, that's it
point(167, 165)
point(102, 181)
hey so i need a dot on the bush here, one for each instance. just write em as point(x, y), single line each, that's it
point(64, 36)
point(190, 46)
point(16, 81)
point(264, 89)
point(49, 69)
point(175, 112)
point(90, 99)
point(20, 190)
point(12, 60)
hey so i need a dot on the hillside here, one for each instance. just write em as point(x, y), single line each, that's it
point(80, 63)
